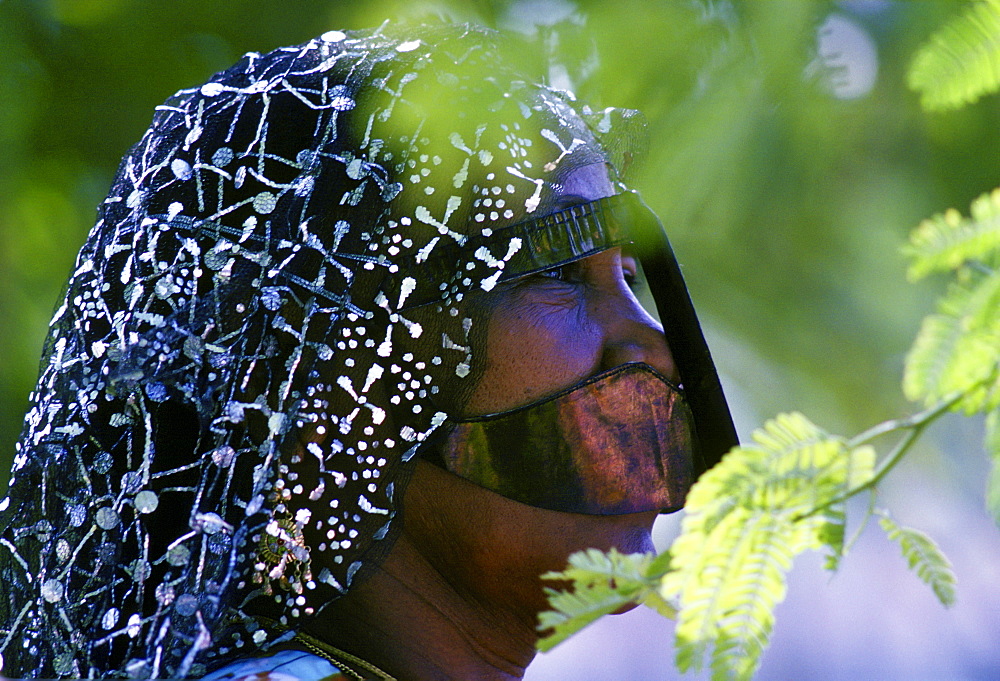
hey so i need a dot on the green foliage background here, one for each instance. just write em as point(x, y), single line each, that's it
point(787, 206)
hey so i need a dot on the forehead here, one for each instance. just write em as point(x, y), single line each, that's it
point(586, 183)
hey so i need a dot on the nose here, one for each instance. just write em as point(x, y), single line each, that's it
point(632, 335)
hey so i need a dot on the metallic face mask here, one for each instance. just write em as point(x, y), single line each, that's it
point(619, 442)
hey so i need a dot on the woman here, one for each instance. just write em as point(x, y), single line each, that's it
point(374, 271)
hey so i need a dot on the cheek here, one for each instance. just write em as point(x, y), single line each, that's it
point(534, 351)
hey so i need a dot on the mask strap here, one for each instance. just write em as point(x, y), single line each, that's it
point(713, 421)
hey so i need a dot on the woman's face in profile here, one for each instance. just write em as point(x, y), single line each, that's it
point(550, 330)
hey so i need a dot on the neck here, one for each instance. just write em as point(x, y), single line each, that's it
point(459, 594)
point(416, 625)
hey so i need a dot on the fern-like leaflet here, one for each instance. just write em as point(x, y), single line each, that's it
point(947, 241)
point(958, 349)
point(746, 521)
point(602, 584)
point(924, 557)
point(961, 61)
point(992, 442)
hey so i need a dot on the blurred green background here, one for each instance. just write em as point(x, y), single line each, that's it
point(787, 204)
point(786, 157)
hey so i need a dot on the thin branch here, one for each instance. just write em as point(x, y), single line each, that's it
point(918, 420)
point(869, 512)
point(915, 424)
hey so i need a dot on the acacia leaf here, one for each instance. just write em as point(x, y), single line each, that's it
point(601, 583)
point(924, 558)
point(746, 520)
point(957, 350)
point(960, 62)
point(947, 241)
point(992, 442)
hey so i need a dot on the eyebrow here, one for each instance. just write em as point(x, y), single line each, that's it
point(569, 200)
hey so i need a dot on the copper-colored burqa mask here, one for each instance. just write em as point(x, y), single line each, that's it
point(620, 442)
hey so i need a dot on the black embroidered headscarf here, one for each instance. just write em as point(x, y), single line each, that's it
point(267, 319)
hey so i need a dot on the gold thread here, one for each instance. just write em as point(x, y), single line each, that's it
point(338, 657)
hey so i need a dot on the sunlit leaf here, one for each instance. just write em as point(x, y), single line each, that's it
point(924, 558)
point(948, 240)
point(728, 612)
point(831, 536)
point(573, 611)
point(747, 519)
point(961, 61)
point(662, 606)
point(659, 565)
point(601, 583)
point(992, 442)
point(958, 349)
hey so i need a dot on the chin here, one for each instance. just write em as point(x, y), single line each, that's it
point(628, 533)
point(636, 538)
point(639, 539)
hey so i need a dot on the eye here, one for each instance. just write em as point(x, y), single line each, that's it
point(557, 273)
point(570, 273)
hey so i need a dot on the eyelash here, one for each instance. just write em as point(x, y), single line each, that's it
point(557, 273)
point(561, 274)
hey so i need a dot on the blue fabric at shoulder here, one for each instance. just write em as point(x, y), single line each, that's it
point(289, 664)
